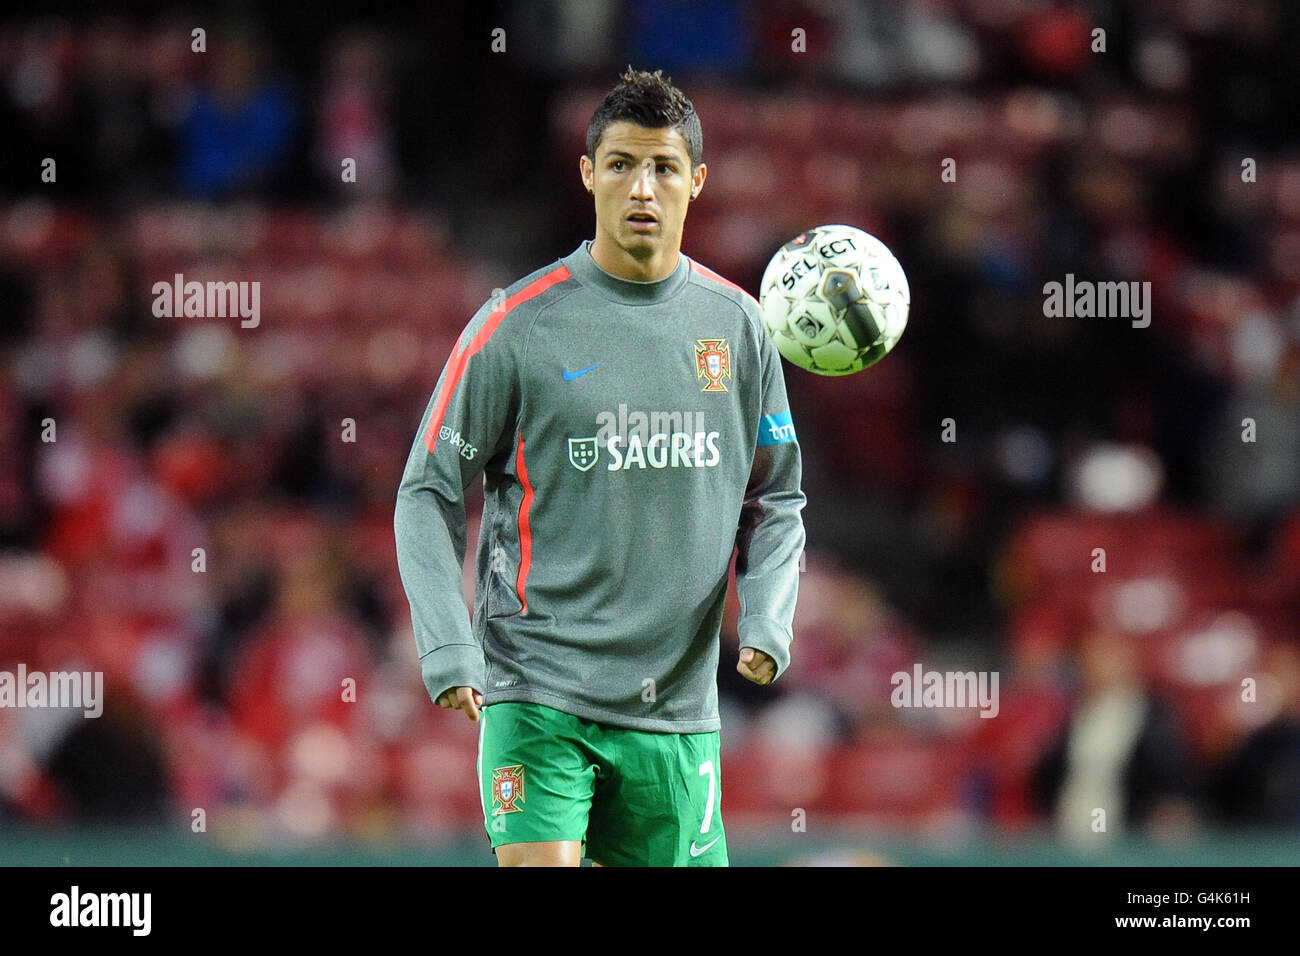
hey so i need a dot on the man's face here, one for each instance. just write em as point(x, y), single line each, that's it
point(642, 181)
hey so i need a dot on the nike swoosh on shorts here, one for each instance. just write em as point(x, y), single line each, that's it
point(696, 851)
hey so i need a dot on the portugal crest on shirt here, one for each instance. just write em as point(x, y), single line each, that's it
point(507, 790)
point(583, 452)
point(712, 363)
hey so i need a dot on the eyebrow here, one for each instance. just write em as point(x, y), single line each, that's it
point(661, 157)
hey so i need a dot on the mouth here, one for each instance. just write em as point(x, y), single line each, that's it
point(642, 221)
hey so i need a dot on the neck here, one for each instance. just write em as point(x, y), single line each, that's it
point(614, 260)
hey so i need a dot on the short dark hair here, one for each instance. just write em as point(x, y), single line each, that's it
point(649, 100)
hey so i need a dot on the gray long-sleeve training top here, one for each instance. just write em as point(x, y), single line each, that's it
point(629, 434)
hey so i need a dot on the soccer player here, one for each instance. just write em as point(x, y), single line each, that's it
point(628, 414)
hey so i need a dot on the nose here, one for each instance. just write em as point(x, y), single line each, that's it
point(642, 185)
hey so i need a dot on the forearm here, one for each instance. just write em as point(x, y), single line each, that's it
point(767, 573)
point(430, 535)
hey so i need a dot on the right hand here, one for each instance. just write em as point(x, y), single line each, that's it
point(462, 698)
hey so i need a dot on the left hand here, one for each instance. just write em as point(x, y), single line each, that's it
point(756, 666)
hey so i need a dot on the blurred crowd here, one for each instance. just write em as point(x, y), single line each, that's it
point(1111, 522)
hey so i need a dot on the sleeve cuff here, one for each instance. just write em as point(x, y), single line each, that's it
point(766, 635)
point(453, 665)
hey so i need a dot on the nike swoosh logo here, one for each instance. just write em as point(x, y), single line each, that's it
point(570, 376)
point(697, 850)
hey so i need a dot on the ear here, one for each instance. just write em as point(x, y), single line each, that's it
point(587, 171)
point(697, 179)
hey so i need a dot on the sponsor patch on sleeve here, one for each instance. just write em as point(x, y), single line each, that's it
point(774, 429)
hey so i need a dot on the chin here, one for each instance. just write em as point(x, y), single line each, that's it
point(640, 247)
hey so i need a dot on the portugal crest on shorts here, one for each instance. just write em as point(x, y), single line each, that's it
point(507, 790)
point(712, 363)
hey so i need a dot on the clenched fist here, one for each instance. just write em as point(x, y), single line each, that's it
point(756, 666)
point(462, 698)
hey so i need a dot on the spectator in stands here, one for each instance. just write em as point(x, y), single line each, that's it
point(1259, 784)
point(1122, 752)
point(112, 769)
point(238, 131)
point(353, 116)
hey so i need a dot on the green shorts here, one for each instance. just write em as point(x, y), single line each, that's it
point(633, 798)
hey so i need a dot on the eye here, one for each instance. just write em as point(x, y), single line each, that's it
point(617, 165)
point(665, 168)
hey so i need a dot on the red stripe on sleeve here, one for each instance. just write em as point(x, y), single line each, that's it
point(710, 274)
point(525, 528)
point(455, 368)
point(460, 357)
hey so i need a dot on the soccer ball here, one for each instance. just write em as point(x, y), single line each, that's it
point(834, 300)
